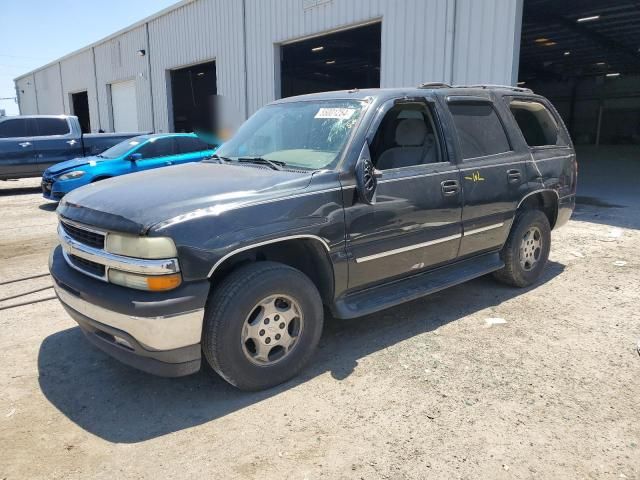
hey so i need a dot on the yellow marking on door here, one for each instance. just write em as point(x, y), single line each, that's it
point(475, 177)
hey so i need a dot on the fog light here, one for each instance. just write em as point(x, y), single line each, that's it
point(154, 283)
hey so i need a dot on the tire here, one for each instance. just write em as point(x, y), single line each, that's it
point(524, 269)
point(230, 316)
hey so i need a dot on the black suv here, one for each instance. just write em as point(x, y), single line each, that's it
point(353, 201)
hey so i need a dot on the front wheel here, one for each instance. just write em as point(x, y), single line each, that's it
point(526, 251)
point(262, 325)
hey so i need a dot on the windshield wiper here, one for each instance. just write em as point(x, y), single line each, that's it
point(219, 158)
point(274, 164)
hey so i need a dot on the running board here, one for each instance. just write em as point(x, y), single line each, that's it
point(389, 295)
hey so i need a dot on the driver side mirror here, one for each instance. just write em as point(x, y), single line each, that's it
point(135, 157)
point(366, 176)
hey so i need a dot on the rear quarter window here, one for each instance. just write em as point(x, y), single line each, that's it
point(537, 124)
point(479, 129)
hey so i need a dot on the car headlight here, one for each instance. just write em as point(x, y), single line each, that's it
point(154, 283)
point(71, 175)
point(140, 247)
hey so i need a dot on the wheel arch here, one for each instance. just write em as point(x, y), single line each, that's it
point(545, 200)
point(307, 253)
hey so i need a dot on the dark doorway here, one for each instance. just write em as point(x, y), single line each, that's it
point(337, 61)
point(193, 91)
point(80, 108)
point(585, 57)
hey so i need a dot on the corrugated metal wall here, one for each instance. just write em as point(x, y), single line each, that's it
point(487, 41)
point(49, 89)
point(27, 100)
point(78, 75)
point(117, 61)
point(456, 41)
point(197, 32)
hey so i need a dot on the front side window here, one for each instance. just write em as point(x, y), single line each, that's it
point(51, 126)
point(157, 147)
point(14, 127)
point(405, 137)
point(536, 123)
point(479, 129)
point(123, 148)
point(308, 135)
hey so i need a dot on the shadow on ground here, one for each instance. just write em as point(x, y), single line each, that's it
point(120, 404)
point(8, 192)
point(48, 207)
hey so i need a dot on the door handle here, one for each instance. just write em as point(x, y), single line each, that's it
point(450, 187)
point(25, 144)
point(168, 162)
point(513, 176)
point(72, 142)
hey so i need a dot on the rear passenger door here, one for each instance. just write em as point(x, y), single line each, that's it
point(54, 141)
point(16, 148)
point(492, 173)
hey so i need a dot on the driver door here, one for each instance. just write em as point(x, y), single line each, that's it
point(415, 224)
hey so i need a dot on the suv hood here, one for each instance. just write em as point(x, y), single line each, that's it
point(134, 203)
point(69, 165)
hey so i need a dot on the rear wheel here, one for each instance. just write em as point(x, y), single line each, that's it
point(526, 251)
point(262, 325)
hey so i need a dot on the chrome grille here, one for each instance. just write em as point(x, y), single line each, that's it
point(88, 237)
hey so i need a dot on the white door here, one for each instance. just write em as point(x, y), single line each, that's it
point(123, 103)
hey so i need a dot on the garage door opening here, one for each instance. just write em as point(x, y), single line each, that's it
point(193, 91)
point(584, 56)
point(337, 61)
point(80, 108)
point(124, 107)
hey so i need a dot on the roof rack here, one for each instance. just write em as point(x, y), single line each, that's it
point(490, 85)
point(434, 85)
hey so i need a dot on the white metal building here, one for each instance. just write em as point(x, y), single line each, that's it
point(124, 82)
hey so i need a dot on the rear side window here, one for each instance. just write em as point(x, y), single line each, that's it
point(51, 126)
point(158, 147)
point(16, 127)
point(536, 123)
point(191, 144)
point(479, 129)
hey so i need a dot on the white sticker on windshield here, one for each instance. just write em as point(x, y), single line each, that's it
point(339, 113)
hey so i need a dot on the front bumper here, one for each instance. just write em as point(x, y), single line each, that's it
point(48, 191)
point(158, 332)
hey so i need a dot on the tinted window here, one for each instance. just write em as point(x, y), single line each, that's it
point(536, 123)
point(479, 129)
point(157, 147)
point(13, 128)
point(191, 144)
point(405, 137)
point(51, 126)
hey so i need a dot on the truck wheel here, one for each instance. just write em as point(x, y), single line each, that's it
point(262, 325)
point(526, 251)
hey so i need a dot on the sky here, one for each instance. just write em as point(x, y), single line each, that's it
point(35, 32)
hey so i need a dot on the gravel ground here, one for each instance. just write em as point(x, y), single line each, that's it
point(434, 388)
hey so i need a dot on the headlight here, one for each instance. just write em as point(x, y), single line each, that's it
point(71, 175)
point(155, 283)
point(140, 247)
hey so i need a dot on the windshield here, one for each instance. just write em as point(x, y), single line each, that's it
point(122, 148)
point(309, 135)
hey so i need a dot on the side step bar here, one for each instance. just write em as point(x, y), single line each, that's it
point(385, 296)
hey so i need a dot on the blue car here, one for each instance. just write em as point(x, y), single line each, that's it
point(136, 154)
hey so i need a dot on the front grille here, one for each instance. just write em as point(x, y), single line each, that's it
point(46, 186)
point(92, 239)
point(88, 266)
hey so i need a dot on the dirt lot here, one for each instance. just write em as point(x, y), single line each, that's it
point(428, 389)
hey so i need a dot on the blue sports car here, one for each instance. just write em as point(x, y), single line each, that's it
point(136, 154)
